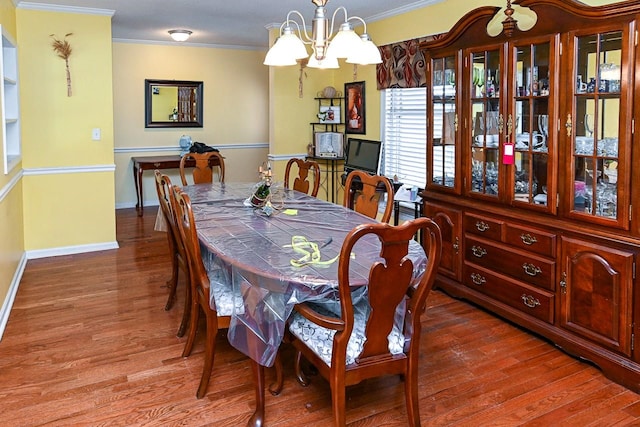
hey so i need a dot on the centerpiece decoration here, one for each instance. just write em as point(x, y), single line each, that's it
point(263, 191)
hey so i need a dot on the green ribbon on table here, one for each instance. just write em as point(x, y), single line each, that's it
point(310, 252)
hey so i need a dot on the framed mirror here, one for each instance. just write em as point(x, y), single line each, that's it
point(172, 104)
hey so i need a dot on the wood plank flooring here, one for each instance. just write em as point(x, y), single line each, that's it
point(88, 343)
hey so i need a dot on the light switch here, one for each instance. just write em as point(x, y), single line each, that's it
point(95, 134)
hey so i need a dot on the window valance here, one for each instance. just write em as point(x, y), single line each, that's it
point(403, 64)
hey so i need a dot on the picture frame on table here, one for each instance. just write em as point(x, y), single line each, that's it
point(329, 114)
point(329, 144)
point(355, 117)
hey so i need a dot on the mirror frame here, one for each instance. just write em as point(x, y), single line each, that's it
point(148, 98)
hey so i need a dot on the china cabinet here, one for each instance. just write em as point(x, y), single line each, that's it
point(531, 164)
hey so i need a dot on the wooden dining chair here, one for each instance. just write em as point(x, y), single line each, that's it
point(211, 290)
point(301, 182)
point(203, 170)
point(179, 262)
point(363, 341)
point(362, 193)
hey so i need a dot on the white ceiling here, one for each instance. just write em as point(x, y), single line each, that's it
point(232, 23)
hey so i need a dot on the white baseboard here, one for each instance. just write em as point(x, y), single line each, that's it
point(11, 295)
point(128, 205)
point(70, 250)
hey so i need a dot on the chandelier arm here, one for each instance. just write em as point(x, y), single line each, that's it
point(333, 19)
point(364, 24)
point(302, 29)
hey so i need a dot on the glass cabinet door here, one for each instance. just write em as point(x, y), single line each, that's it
point(442, 139)
point(486, 122)
point(528, 125)
point(597, 159)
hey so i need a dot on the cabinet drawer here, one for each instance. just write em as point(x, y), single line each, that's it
point(530, 239)
point(520, 265)
point(534, 302)
point(482, 226)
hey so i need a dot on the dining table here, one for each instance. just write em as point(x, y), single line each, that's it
point(277, 259)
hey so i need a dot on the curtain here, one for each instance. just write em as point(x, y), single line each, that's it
point(403, 64)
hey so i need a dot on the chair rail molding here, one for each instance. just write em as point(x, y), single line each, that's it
point(173, 148)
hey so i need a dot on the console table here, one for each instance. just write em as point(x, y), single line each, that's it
point(331, 173)
point(141, 164)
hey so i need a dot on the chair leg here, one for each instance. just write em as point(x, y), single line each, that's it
point(300, 376)
point(186, 314)
point(193, 326)
point(338, 398)
point(276, 387)
point(411, 395)
point(209, 354)
point(172, 283)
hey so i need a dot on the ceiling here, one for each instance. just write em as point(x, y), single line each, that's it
point(235, 23)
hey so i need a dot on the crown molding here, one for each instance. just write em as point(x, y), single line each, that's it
point(64, 9)
point(403, 9)
point(188, 44)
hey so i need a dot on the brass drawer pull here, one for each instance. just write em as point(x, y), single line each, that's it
point(478, 279)
point(478, 251)
point(531, 269)
point(530, 301)
point(528, 239)
point(156, 165)
point(482, 226)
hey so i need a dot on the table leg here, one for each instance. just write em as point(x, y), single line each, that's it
point(137, 180)
point(396, 212)
point(333, 181)
point(257, 419)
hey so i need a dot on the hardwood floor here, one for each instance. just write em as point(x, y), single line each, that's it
point(88, 343)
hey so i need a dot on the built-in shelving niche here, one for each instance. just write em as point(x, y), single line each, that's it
point(10, 102)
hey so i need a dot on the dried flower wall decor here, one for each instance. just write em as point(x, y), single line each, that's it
point(63, 49)
point(303, 64)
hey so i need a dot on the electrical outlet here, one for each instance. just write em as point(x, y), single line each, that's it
point(96, 134)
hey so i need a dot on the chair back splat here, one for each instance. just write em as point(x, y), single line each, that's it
point(204, 167)
point(301, 182)
point(366, 339)
point(363, 192)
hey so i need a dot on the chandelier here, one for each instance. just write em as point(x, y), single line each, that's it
point(290, 46)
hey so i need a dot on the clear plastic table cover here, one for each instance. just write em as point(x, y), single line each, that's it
point(255, 253)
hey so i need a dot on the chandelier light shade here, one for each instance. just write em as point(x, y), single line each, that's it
point(368, 53)
point(326, 63)
point(180, 35)
point(286, 50)
point(326, 47)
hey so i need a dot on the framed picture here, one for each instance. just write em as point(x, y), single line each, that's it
point(354, 108)
point(329, 144)
point(329, 114)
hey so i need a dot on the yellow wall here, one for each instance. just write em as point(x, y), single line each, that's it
point(236, 109)
point(68, 195)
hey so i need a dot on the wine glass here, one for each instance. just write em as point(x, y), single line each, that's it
point(588, 124)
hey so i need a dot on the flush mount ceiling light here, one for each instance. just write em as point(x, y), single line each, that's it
point(180, 35)
point(327, 48)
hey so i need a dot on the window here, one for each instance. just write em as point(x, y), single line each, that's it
point(404, 132)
